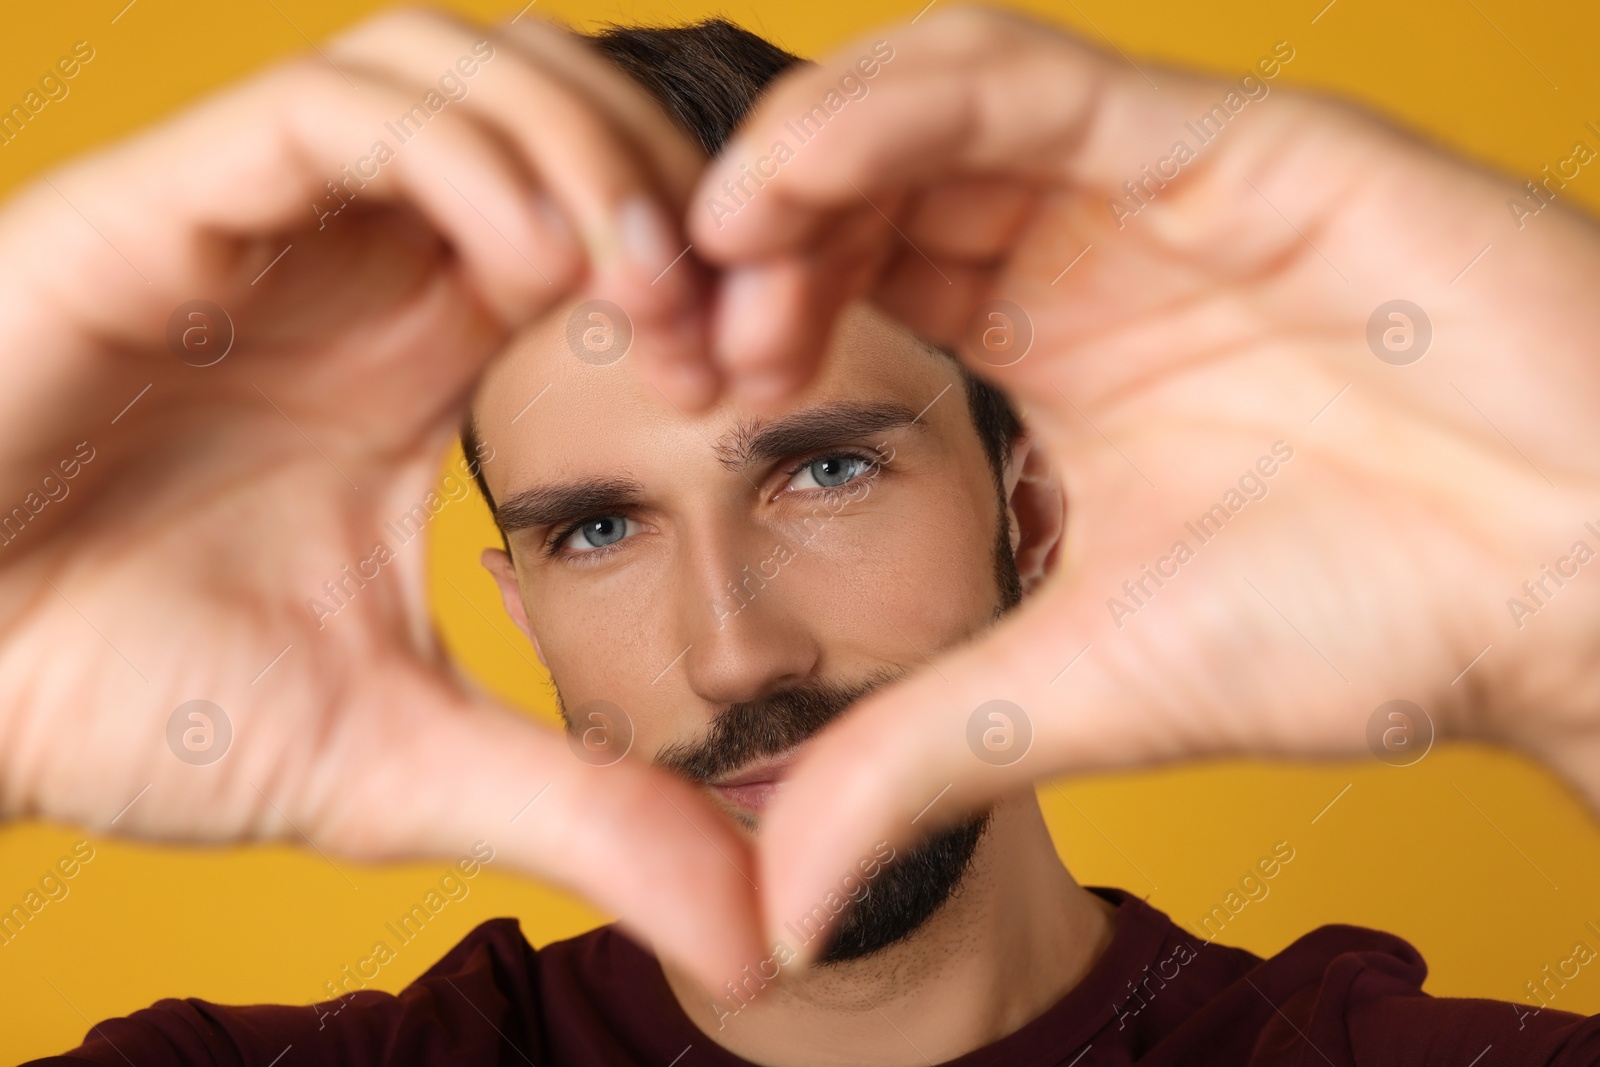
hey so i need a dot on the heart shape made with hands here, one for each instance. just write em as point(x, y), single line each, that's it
point(1284, 514)
point(1273, 529)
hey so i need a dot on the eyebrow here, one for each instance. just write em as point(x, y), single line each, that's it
point(747, 444)
point(547, 505)
point(755, 441)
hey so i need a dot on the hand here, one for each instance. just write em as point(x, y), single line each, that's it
point(173, 554)
point(1217, 322)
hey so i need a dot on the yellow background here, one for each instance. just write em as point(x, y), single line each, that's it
point(1490, 888)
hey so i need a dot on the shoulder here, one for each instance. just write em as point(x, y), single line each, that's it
point(1345, 996)
point(1355, 996)
point(490, 989)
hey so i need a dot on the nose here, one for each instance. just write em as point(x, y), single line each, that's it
point(743, 640)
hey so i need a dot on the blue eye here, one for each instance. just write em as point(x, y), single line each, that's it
point(828, 472)
point(597, 533)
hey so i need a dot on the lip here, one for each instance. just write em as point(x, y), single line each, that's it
point(754, 787)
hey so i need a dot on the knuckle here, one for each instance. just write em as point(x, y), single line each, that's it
point(298, 78)
point(977, 25)
point(988, 32)
point(401, 24)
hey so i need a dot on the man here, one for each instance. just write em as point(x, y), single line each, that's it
point(708, 592)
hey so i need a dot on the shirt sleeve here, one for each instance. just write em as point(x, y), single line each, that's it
point(476, 1005)
point(1367, 1007)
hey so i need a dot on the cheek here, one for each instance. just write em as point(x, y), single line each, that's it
point(604, 640)
point(916, 570)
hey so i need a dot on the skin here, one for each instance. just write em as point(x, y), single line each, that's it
point(1168, 360)
point(898, 574)
point(1188, 342)
point(180, 564)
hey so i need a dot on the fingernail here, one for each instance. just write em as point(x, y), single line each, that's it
point(647, 241)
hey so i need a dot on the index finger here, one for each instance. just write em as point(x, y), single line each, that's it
point(896, 130)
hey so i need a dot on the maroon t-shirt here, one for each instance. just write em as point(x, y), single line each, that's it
point(1339, 996)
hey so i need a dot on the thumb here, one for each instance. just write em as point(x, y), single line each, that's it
point(1027, 701)
point(446, 771)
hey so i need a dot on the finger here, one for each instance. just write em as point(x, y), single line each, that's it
point(414, 771)
point(894, 769)
point(778, 318)
point(212, 198)
point(1034, 699)
point(576, 125)
point(957, 99)
point(953, 101)
point(680, 371)
point(673, 158)
point(771, 320)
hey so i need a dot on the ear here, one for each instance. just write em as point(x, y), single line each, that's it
point(1036, 508)
point(504, 572)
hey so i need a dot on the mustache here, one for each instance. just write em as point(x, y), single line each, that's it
point(748, 730)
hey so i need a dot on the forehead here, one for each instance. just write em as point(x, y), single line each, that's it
point(546, 412)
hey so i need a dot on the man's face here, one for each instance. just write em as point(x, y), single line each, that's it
point(733, 581)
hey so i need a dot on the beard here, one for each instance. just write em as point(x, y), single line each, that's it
point(909, 889)
point(912, 887)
